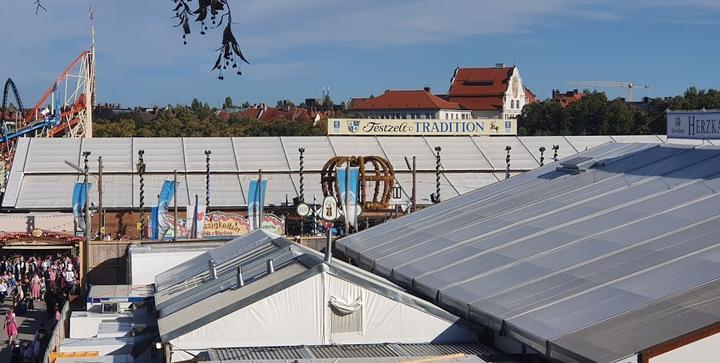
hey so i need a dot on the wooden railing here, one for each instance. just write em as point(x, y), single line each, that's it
point(59, 332)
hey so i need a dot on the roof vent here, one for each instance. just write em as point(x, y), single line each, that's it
point(576, 165)
point(213, 269)
point(499, 65)
point(427, 89)
point(240, 280)
point(270, 266)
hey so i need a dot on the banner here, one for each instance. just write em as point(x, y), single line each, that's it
point(167, 193)
point(256, 202)
point(154, 233)
point(198, 224)
point(220, 224)
point(693, 124)
point(351, 209)
point(78, 204)
point(422, 127)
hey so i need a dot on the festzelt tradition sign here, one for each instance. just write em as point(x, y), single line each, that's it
point(693, 124)
point(421, 127)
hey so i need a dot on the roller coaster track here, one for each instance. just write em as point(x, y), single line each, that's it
point(67, 104)
point(10, 86)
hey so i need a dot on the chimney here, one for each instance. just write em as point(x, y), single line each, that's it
point(428, 89)
point(499, 65)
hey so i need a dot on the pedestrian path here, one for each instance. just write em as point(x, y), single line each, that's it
point(28, 325)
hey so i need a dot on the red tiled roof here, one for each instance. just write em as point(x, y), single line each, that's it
point(530, 96)
point(480, 89)
point(406, 100)
point(480, 103)
point(271, 114)
point(568, 98)
point(356, 102)
point(480, 81)
point(251, 113)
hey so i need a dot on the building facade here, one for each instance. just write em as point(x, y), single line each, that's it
point(497, 92)
point(410, 105)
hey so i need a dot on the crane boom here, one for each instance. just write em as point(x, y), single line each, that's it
point(629, 86)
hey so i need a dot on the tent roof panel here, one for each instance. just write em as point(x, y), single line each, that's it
point(553, 252)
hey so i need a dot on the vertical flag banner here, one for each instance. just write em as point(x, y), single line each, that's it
point(163, 221)
point(154, 223)
point(353, 197)
point(78, 204)
point(256, 201)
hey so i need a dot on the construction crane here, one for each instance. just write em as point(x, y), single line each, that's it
point(629, 86)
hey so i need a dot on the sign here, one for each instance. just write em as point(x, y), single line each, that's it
point(224, 224)
point(303, 210)
point(421, 127)
point(693, 124)
point(329, 211)
point(219, 224)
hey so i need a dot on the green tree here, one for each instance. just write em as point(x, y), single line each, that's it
point(228, 103)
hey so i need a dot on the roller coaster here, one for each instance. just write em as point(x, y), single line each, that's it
point(64, 110)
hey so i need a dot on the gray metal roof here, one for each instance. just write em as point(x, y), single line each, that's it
point(40, 179)
point(565, 256)
point(339, 352)
point(187, 298)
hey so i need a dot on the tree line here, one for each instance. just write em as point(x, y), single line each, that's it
point(197, 120)
point(595, 114)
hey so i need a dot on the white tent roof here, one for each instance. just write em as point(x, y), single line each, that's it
point(40, 178)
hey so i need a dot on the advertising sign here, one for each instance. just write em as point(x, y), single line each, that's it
point(219, 224)
point(421, 127)
point(693, 124)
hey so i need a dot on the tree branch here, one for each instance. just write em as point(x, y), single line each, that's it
point(219, 10)
point(39, 6)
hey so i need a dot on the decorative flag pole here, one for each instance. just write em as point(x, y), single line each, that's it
point(507, 162)
point(542, 157)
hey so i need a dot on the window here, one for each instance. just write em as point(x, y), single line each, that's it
point(349, 323)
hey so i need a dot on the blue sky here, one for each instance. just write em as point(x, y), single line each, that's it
point(363, 47)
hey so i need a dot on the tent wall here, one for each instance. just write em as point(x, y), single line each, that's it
point(145, 266)
point(701, 350)
point(301, 315)
point(292, 316)
point(388, 321)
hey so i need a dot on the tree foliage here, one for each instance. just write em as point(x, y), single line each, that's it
point(197, 120)
point(595, 114)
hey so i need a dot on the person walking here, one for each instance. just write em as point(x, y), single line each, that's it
point(11, 328)
point(36, 287)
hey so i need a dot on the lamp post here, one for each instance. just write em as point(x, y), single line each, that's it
point(556, 148)
point(542, 155)
point(141, 172)
point(207, 180)
point(86, 210)
point(507, 162)
point(437, 174)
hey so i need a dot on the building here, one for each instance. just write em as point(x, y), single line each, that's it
point(497, 92)
point(568, 98)
point(608, 256)
point(265, 291)
point(410, 105)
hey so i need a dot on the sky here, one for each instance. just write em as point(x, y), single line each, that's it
point(364, 47)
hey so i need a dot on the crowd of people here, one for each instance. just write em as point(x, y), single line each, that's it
point(25, 280)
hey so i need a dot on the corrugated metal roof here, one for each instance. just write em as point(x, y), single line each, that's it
point(555, 257)
point(234, 161)
point(367, 351)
